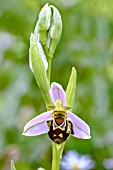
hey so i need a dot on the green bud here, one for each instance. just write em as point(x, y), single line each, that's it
point(39, 69)
point(55, 30)
point(43, 24)
point(41, 53)
point(71, 88)
point(12, 165)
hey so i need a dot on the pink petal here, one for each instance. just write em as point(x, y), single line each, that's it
point(57, 92)
point(81, 129)
point(37, 125)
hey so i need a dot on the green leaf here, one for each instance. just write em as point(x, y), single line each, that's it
point(12, 165)
point(71, 88)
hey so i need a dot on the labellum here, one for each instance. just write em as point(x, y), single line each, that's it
point(60, 127)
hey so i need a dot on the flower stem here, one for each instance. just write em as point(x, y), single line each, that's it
point(57, 150)
point(49, 69)
point(49, 59)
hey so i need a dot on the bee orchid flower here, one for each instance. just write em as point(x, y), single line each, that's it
point(59, 122)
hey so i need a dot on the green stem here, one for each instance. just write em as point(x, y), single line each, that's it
point(49, 59)
point(56, 149)
point(56, 155)
point(49, 69)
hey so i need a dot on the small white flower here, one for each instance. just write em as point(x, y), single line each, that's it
point(73, 161)
point(108, 163)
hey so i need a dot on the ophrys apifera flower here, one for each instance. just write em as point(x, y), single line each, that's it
point(59, 122)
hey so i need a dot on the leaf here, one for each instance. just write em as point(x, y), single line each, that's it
point(12, 165)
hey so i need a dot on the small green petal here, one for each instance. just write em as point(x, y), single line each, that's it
point(71, 88)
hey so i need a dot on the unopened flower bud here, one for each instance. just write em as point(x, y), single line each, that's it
point(40, 168)
point(43, 24)
point(55, 30)
point(37, 64)
point(40, 52)
point(12, 165)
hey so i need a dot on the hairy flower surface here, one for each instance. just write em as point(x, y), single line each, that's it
point(73, 161)
point(59, 122)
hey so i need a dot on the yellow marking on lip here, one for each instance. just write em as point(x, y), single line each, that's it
point(68, 127)
point(60, 135)
point(62, 114)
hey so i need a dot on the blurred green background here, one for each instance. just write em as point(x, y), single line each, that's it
point(87, 44)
